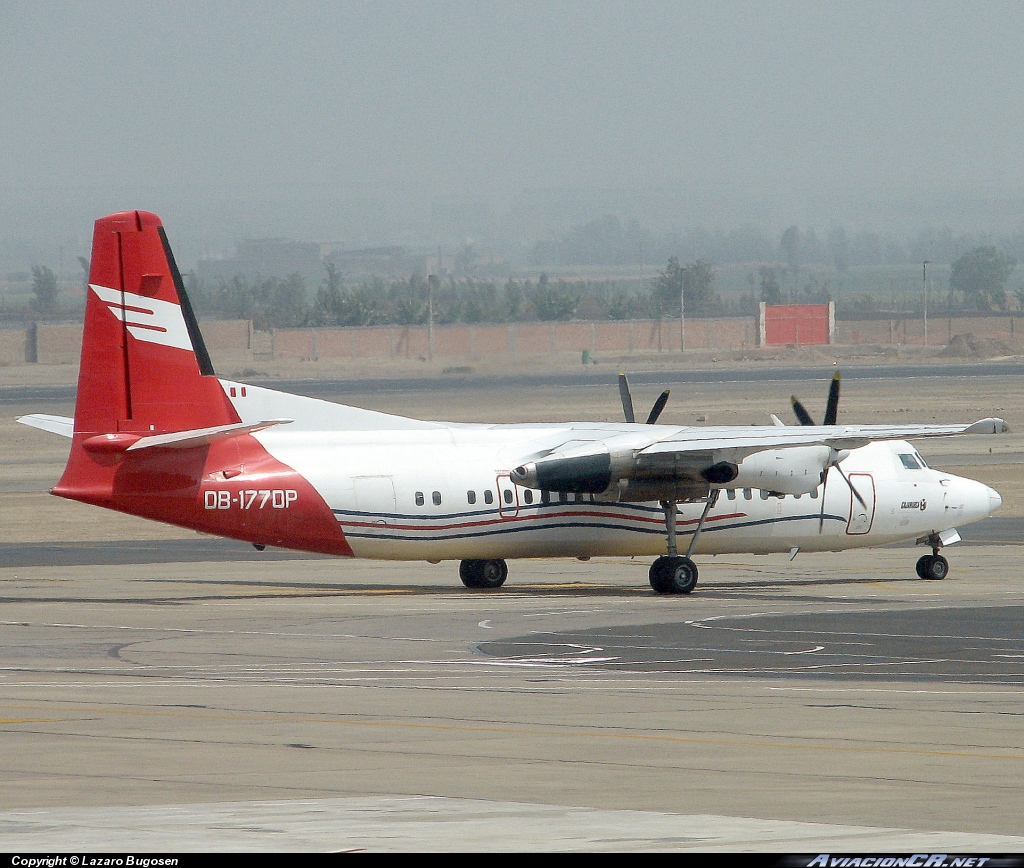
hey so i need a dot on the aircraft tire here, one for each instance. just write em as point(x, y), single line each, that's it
point(483, 575)
point(673, 575)
point(924, 564)
point(659, 579)
point(938, 569)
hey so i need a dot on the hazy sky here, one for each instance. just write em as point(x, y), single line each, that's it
point(187, 107)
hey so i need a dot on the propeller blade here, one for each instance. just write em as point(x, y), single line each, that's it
point(627, 399)
point(801, 414)
point(659, 405)
point(832, 407)
point(846, 479)
point(824, 484)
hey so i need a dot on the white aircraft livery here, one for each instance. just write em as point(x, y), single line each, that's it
point(157, 434)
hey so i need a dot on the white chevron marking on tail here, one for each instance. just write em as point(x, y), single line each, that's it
point(148, 319)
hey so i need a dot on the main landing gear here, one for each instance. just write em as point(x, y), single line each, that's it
point(674, 573)
point(484, 575)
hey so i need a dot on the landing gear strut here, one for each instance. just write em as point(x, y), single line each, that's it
point(674, 573)
point(933, 566)
point(485, 575)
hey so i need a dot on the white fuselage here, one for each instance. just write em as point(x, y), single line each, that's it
point(445, 492)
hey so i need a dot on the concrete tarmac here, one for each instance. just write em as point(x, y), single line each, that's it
point(350, 705)
point(165, 691)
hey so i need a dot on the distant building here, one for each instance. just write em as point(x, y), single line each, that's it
point(389, 263)
point(277, 257)
point(263, 258)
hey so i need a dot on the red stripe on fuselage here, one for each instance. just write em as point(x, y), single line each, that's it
point(626, 517)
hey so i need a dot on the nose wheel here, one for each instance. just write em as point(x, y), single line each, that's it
point(933, 567)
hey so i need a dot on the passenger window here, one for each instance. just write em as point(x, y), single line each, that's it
point(814, 494)
point(545, 497)
point(747, 494)
point(470, 497)
point(528, 496)
point(764, 494)
point(419, 498)
point(563, 497)
point(797, 496)
point(731, 494)
point(488, 496)
point(436, 497)
point(507, 495)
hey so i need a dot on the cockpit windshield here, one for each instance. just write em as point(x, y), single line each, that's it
point(912, 461)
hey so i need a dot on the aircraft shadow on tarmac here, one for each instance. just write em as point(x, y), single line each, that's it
point(221, 590)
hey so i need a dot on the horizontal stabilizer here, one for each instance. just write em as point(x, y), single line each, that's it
point(62, 425)
point(201, 436)
point(988, 426)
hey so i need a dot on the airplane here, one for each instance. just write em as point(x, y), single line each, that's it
point(157, 434)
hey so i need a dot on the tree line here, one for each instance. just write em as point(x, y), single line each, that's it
point(282, 302)
point(607, 241)
point(978, 281)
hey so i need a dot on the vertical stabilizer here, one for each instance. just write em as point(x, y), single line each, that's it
point(144, 366)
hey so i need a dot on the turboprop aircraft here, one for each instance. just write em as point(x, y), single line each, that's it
point(157, 434)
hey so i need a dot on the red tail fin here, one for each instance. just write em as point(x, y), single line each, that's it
point(145, 372)
point(144, 367)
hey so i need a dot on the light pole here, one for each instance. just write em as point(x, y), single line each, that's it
point(431, 283)
point(924, 281)
point(682, 309)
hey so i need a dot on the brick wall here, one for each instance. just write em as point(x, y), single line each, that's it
point(61, 344)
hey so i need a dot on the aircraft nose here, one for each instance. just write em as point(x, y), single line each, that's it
point(994, 500)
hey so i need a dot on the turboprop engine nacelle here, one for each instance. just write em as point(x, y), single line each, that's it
point(582, 473)
point(786, 471)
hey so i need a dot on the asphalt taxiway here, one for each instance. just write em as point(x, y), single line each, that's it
point(821, 701)
point(163, 690)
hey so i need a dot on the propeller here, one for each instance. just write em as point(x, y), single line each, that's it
point(834, 460)
point(627, 402)
point(831, 406)
point(831, 415)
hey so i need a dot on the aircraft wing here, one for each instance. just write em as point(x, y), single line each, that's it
point(742, 441)
point(685, 463)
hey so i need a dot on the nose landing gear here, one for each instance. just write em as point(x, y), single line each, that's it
point(934, 566)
